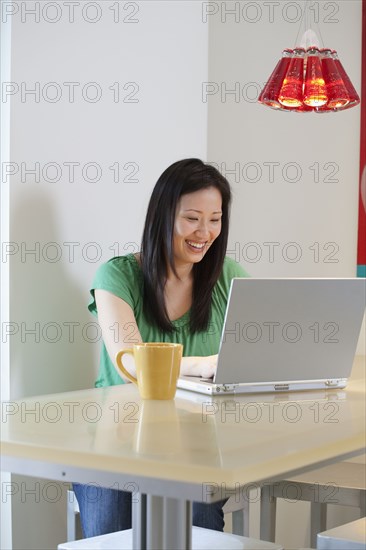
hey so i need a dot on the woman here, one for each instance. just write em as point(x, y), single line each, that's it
point(174, 290)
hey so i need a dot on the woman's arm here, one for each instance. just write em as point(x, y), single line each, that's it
point(114, 312)
point(115, 319)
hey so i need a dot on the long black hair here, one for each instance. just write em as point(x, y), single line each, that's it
point(182, 177)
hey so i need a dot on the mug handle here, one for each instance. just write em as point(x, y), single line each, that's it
point(122, 368)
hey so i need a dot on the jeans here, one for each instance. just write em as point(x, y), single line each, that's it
point(105, 511)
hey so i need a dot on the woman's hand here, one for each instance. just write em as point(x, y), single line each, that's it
point(204, 367)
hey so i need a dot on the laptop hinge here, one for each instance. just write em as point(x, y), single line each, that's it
point(332, 382)
point(226, 388)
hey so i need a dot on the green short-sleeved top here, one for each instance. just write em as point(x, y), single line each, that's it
point(122, 276)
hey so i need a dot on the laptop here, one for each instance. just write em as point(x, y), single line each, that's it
point(286, 335)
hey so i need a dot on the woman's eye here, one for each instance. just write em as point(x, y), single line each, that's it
point(196, 219)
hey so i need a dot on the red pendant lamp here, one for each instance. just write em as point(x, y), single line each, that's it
point(309, 79)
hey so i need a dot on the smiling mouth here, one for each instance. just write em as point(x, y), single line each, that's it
point(196, 246)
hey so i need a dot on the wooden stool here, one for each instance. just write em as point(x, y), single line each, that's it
point(239, 508)
point(351, 536)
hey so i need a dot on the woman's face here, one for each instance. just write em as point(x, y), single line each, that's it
point(197, 225)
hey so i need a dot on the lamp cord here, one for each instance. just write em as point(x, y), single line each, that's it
point(306, 24)
point(302, 23)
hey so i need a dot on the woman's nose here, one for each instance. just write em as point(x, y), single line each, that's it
point(203, 229)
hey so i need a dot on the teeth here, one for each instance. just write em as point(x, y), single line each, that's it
point(196, 245)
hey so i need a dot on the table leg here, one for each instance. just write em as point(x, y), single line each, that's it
point(139, 521)
point(160, 523)
point(178, 523)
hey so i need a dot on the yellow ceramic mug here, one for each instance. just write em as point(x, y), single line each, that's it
point(157, 368)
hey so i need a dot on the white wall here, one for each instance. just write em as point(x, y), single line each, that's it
point(292, 215)
point(164, 55)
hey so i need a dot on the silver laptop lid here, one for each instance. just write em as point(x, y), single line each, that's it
point(290, 329)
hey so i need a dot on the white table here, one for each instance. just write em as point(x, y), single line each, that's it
point(194, 448)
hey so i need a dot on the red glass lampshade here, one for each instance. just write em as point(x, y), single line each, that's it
point(270, 92)
point(310, 80)
point(291, 90)
point(337, 93)
point(315, 92)
point(354, 98)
